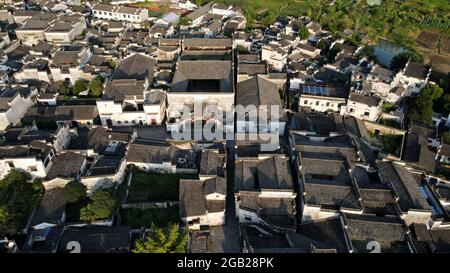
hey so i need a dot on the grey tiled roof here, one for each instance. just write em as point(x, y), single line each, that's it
point(98, 239)
point(156, 154)
point(273, 173)
point(137, 67)
point(416, 70)
point(193, 193)
point(389, 232)
point(212, 163)
point(364, 99)
point(51, 208)
point(257, 91)
point(118, 90)
point(66, 165)
point(404, 185)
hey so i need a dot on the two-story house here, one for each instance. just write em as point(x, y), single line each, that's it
point(275, 56)
point(14, 102)
point(364, 106)
point(322, 98)
point(65, 29)
point(120, 13)
point(264, 191)
point(202, 202)
point(414, 77)
point(68, 63)
point(126, 100)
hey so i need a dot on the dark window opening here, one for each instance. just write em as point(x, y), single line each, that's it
point(322, 176)
point(203, 85)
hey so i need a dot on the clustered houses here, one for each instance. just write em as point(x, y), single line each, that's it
point(92, 94)
point(15, 101)
point(265, 193)
point(67, 63)
point(214, 18)
point(127, 99)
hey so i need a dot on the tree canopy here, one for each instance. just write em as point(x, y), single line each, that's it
point(101, 206)
point(421, 108)
point(185, 21)
point(303, 32)
point(399, 61)
point(159, 240)
point(446, 137)
point(64, 89)
point(268, 20)
point(9, 221)
point(74, 192)
point(79, 86)
point(18, 197)
point(96, 86)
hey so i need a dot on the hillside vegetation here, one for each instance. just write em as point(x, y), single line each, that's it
point(399, 20)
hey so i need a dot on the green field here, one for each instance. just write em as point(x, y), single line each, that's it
point(400, 20)
point(138, 218)
point(148, 187)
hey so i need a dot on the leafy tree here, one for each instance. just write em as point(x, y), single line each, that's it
point(442, 105)
point(79, 86)
point(200, 2)
point(242, 50)
point(303, 32)
point(354, 40)
point(368, 51)
point(102, 205)
point(64, 89)
point(249, 17)
point(159, 240)
point(268, 20)
point(9, 224)
point(391, 144)
point(74, 192)
point(388, 107)
point(345, 23)
point(333, 52)
point(185, 21)
point(17, 199)
point(112, 64)
point(446, 137)
point(96, 86)
point(399, 61)
point(421, 108)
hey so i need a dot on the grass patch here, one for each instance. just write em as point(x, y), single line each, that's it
point(151, 187)
point(392, 144)
point(146, 4)
point(155, 13)
point(161, 217)
point(390, 123)
point(388, 107)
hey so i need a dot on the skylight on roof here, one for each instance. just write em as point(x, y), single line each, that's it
point(315, 90)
